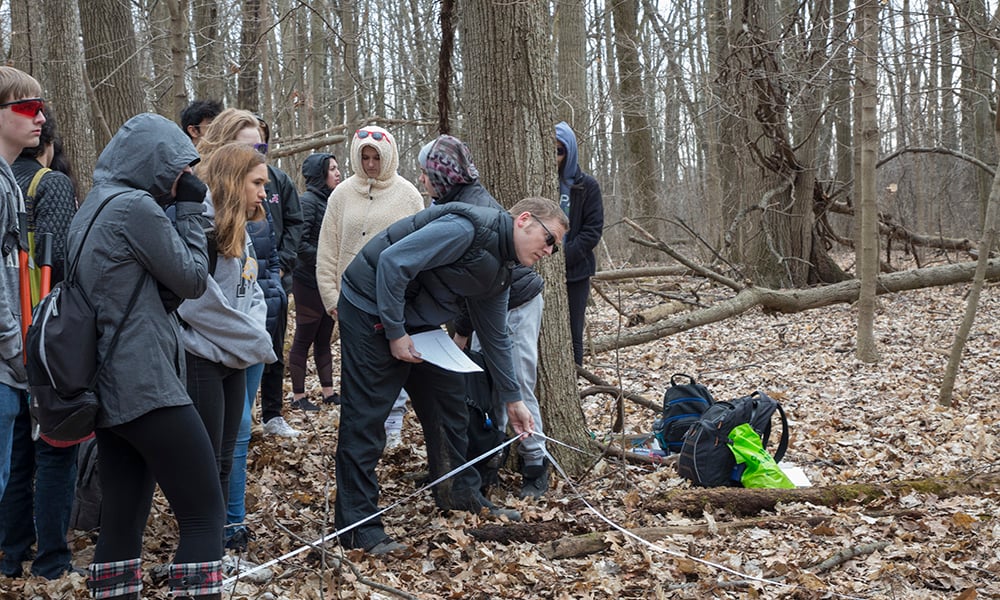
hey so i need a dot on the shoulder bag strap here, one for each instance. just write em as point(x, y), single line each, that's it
point(71, 265)
point(118, 330)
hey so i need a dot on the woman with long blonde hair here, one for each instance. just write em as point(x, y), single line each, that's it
point(224, 331)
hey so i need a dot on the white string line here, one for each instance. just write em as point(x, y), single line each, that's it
point(651, 545)
point(340, 532)
point(565, 477)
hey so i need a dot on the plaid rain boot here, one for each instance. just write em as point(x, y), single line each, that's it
point(196, 581)
point(120, 580)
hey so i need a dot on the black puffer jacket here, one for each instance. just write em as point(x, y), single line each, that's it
point(313, 202)
point(269, 278)
point(525, 284)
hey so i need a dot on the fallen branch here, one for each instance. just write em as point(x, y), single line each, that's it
point(641, 272)
point(605, 387)
point(796, 300)
point(847, 554)
point(746, 502)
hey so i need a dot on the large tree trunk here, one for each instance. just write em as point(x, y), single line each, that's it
point(248, 95)
point(866, 244)
point(571, 69)
point(109, 45)
point(27, 37)
point(65, 85)
point(509, 100)
point(641, 168)
point(209, 76)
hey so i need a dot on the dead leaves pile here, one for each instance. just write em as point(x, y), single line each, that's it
point(851, 423)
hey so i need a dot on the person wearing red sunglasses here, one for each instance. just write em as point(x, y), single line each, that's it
point(19, 129)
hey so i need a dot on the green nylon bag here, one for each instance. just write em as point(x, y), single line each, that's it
point(760, 470)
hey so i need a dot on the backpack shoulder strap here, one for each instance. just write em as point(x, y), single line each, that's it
point(71, 265)
point(37, 179)
point(783, 442)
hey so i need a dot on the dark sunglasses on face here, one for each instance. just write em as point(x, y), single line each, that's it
point(378, 136)
point(560, 151)
point(550, 240)
point(261, 147)
point(29, 107)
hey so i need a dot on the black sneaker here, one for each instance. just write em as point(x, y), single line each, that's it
point(240, 539)
point(303, 404)
point(534, 481)
point(333, 398)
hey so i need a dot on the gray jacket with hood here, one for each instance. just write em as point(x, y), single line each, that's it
point(11, 203)
point(132, 237)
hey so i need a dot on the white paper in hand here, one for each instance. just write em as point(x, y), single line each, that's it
point(436, 347)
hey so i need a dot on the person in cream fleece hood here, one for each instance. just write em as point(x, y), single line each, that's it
point(372, 198)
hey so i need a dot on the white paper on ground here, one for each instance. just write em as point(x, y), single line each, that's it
point(437, 348)
point(795, 474)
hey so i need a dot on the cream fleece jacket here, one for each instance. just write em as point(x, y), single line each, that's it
point(359, 208)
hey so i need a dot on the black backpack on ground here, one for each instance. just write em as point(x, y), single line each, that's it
point(683, 405)
point(483, 431)
point(706, 459)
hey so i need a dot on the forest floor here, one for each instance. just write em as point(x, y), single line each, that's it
point(850, 423)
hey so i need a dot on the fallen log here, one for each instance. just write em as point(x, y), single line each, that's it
point(656, 313)
point(745, 502)
point(795, 300)
point(640, 272)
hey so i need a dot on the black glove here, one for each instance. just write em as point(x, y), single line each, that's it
point(17, 368)
point(190, 189)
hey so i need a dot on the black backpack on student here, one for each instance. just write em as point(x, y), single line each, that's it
point(483, 431)
point(683, 405)
point(61, 356)
point(706, 459)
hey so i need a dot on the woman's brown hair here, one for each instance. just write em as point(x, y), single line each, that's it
point(224, 172)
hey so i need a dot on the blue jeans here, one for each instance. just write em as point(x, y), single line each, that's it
point(36, 505)
point(236, 510)
point(11, 400)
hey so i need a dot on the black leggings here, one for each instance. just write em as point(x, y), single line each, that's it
point(219, 394)
point(168, 446)
point(313, 327)
point(578, 292)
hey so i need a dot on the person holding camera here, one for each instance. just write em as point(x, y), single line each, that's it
point(148, 431)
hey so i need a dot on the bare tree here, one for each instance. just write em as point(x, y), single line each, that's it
point(112, 55)
point(867, 242)
point(509, 102)
point(65, 86)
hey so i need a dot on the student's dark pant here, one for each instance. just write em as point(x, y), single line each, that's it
point(313, 327)
point(218, 393)
point(168, 446)
point(578, 292)
point(272, 381)
point(370, 382)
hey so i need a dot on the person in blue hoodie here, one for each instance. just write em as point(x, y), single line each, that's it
point(580, 198)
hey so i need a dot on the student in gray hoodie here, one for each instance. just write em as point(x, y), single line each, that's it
point(148, 432)
point(224, 329)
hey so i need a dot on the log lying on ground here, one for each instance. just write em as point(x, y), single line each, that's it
point(796, 300)
point(656, 313)
point(640, 272)
point(744, 502)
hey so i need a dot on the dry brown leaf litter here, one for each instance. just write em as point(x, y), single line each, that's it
point(851, 422)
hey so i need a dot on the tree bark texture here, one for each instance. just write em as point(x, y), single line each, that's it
point(109, 44)
point(66, 88)
point(509, 100)
point(209, 72)
point(248, 96)
point(866, 244)
point(571, 69)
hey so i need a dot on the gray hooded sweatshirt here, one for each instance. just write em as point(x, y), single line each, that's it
point(132, 237)
point(11, 203)
point(227, 324)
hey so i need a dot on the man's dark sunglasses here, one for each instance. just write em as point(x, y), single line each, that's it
point(550, 240)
